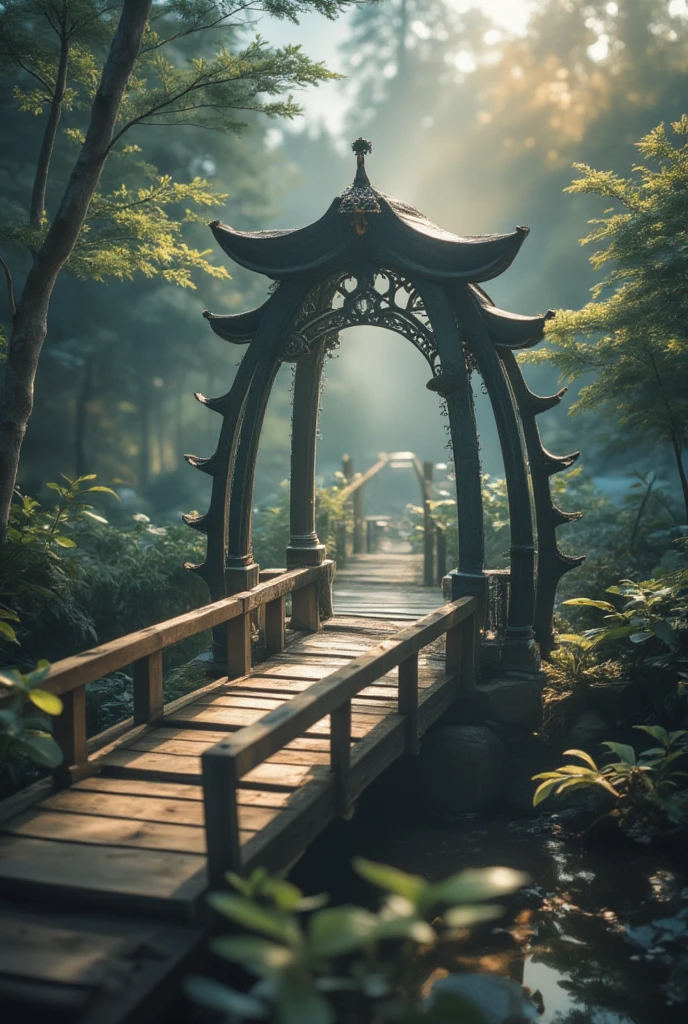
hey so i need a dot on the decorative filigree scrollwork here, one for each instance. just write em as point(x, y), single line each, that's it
point(365, 297)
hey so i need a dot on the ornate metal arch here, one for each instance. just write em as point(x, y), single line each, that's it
point(373, 261)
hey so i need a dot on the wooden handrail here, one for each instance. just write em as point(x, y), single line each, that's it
point(363, 478)
point(224, 764)
point(88, 666)
point(143, 650)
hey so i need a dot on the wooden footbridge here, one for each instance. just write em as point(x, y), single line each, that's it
point(103, 871)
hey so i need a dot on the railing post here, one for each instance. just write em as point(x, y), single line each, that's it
point(441, 537)
point(340, 756)
point(470, 647)
point(239, 646)
point(454, 653)
point(148, 691)
point(359, 525)
point(70, 734)
point(305, 608)
point(325, 592)
point(275, 625)
point(408, 700)
point(221, 815)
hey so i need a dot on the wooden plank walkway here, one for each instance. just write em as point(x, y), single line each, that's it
point(102, 883)
point(384, 585)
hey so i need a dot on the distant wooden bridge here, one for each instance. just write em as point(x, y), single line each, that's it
point(102, 876)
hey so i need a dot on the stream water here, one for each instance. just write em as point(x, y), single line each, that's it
point(602, 936)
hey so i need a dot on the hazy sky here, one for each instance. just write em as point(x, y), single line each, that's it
point(321, 39)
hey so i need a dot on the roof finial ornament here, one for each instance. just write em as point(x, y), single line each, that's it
point(360, 147)
point(360, 198)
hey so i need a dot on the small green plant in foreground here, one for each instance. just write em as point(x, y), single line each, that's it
point(22, 730)
point(368, 966)
point(645, 786)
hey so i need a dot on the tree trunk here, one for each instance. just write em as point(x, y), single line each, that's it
point(30, 322)
point(40, 182)
point(678, 455)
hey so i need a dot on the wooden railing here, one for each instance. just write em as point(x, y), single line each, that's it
point(229, 760)
point(143, 651)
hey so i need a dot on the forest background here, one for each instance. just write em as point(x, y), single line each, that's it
point(477, 112)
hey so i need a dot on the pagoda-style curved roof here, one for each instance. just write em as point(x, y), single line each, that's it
point(363, 224)
point(510, 330)
point(237, 328)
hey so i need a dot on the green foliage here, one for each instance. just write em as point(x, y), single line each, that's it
point(373, 961)
point(69, 579)
point(645, 786)
point(653, 617)
point(23, 732)
point(495, 518)
point(634, 340)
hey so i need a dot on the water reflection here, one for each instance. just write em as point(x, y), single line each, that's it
point(600, 938)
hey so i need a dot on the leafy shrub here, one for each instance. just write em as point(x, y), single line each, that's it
point(371, 964)
point(645, 786)
point(24, 733)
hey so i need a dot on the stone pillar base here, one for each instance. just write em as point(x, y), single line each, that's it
point(299, 558)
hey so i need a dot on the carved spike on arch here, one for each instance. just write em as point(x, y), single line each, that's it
point(543, 403)
point(557, 463)
point(215, 404)
point(205, 465)
point(552, 563)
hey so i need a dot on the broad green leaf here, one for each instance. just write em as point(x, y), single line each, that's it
point(298, 1002)
point(260, 956)
point(640, 638)
point(573, 769)
point(622, 750)
point(10, 722)
point(390, 878)
point(7, 631)
point(64, 542)
point(41, 748)
point(465, 917)
point(46, 701)
point(586, 602)
point(93, 515)
point(476, 884)
point(101, 490)
point(667, 635)
point(413, 928)
point(12, 678)
point(583, 756)
point(656, 732)
point(285, 895)
point(8, 613)
point(339, 930)
point(81, 479)
point(39, 674)
point(35, 723)
point(544, 790)
point(215, 996)
point(252, 916)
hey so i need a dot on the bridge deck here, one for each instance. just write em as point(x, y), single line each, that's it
point(385, 585)
point(102, 883)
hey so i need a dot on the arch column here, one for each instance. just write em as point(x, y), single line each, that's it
point(241, 571)
point(304, 545)
point(519, 644)
point(454, 386)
